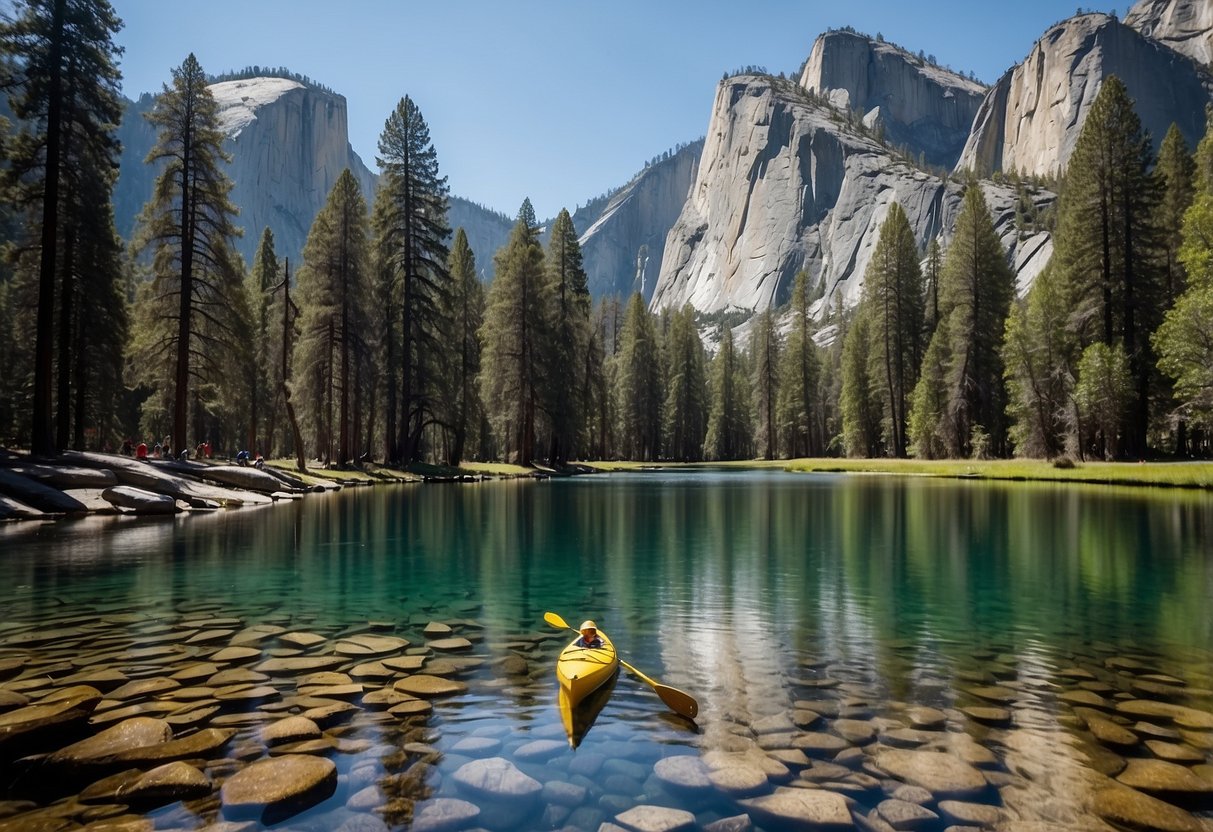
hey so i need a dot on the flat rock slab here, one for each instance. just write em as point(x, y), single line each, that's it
point(684, 772)
point(166, 784)
point(988, 716)
point(1161, 777)
point(35, 727)
point(821, 745)
point(428, 686)
point(739, 780)
point(298, 665)
point(902, 814)
point(1131, 809)
point(450, 645)
point(801, 808)
point(1182, 716)
point(304, 640)
point(139, 732)
point(444, 814)
point(970, 814)
point(1109, 733)
point(404, 664)
point(291, 729)
point(138, 500)
point(539, 750)
point(199, 744)
point(925, 718)
point(655, 819)
point(142, 688)
point(497, 779)
point(365, 645)
point(941, 774)
point(1173, 752)
point(276, 788)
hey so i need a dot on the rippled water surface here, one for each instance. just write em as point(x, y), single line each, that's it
point(832, 628)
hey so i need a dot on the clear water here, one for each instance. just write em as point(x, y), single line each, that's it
point(751, 591)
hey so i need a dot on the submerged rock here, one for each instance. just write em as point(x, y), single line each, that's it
point(496, 779)
point(275, 788)
point(817, 808)
point(941, 774)
point(1133, 810)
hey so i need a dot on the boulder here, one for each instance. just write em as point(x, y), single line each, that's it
point(138, 500)
point(941, 774)
point(496, 778)
point(130, 734)
point(166, 784)
point(656, 819)
point(444, 814)
point(800, 808)
point(30, 492)
point(66, 477)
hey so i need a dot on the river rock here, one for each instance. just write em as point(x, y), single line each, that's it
point(436, 628)
point(139, 732)
point(801, 808)
point(290, 729)
point(854, 731)
point(167, 784)
point(941, 774)
point(821, 745)
point(303, 640)
point(35, 727)
point(202, 743)
point(139, 501)
point(142, 688)
point(1085, 698)
point(924, 718)
point(298, 665)
point(444, 814)
point(655, 819)
point(903, 815)
point(988, 716)
point(972, 814)
point(1174, 752)
point(684, 772)
point(368, 645)
point(1179, 714)
point(1131, 809)
point(429, 686)
point(414, 707)
point(1109, 733)
point(1163, 778)
point(276, 788)
point(404, 664)
point(539, 750)
point(496, 778)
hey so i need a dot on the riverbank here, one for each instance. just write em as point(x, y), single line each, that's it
point(1198, 475)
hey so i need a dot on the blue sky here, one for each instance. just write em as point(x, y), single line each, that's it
point(560, 100)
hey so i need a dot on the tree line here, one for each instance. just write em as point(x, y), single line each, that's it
point(383, 345)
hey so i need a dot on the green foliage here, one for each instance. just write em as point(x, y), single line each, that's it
point(193, 313)
point(928, 426)
point(860, 403)
point(511, 335)
point(799, 409)
point(976, 288)
point(1107, 243)
point(1177, 171)
point(466, 312)
point(1103, 393)
point(334, 302)
point(686, 403)
point(638, 389)
point(765, 358)
point(729, 429)
point(1204, 155)
point(566, 341)
point(411, 225)
point(893, 301)
point(1038, 353)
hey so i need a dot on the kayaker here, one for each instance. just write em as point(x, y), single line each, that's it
point(589, 635)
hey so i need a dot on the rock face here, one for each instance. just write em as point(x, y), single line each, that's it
point(919, 105)
point(623, 240)
point(1184, 25)
point(1030, 119)
point(783, 185)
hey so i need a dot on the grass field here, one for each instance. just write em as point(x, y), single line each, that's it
point(1162, 474)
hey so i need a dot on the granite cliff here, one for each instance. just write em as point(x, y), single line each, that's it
point(1030, 120)
point(917, 104)
point(785, 184)
point(1184, 25)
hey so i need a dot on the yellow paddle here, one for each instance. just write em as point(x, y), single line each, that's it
point(679, 702)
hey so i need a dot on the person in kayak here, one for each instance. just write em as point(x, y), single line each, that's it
point(589, 635)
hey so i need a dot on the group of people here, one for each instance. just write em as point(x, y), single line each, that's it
point(163, 450)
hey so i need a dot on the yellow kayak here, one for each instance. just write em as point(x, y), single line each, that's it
point(582, 670)
point(578, 720)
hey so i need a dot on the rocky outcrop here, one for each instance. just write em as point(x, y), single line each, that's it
point(919, 105)
point(1184, 25)
point(487, 231)
point(623, 239)
point(784, 185)
point(1030, 120)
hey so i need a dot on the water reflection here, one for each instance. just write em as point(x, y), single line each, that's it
point(767, 596)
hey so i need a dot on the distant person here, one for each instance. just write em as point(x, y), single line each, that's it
point(589, 635)
point(260, 462)
point(141, 451)
point(184, 455)
point(242, 458)
point(206, 446)
point(157, 451)
point(128, 448)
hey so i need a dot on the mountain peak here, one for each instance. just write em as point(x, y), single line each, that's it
point(239, 100)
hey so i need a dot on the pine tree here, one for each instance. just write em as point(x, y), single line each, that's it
point(334, 301)
point(1204, 155)
point(976, 288)
point(799, 412)
point(513, 327)
point(860, 403)
point(638, 393)
point(686, 409)
point(1037, 353)
point(411, 222)
point(61, 168)
point(467, 315)
point(893, 295)
point(1103, 393)
point(567, 339)
point(259, 288)
point(931, 274)
point(188, 227)
point(1177, 171)
point(1107, 242)
point(729, 427)
point(765, 357)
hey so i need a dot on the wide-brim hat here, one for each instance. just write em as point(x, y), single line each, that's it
point(588, 625)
